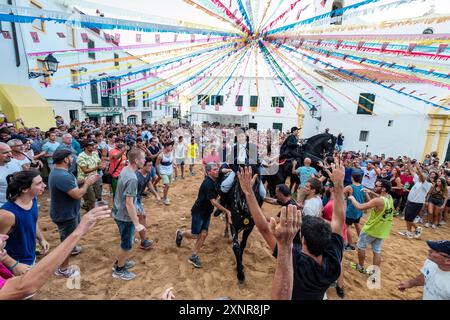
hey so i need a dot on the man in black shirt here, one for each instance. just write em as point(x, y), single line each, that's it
point(201, 213)
point(305, 271)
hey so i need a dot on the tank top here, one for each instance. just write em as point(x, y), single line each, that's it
point(21, 244)
point(359, 195)
point(165, 166)
point(379, 224)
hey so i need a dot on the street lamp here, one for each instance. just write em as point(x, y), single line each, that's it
point(313, 113)
point(50, 65)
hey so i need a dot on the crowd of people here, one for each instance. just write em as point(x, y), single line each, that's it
point(84, 164)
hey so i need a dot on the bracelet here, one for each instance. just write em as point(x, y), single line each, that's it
point(13, 266)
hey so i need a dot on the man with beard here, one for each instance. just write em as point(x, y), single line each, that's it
point(65, 198)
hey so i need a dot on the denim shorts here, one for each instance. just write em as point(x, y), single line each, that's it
point(139, 207)
point(67, 227)
point(153, 173)
point(126, 230)
point(364, 240)
point(199, 223)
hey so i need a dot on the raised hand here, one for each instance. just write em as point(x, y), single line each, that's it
point(287, 227)
point(92, 217)
point(246, 179)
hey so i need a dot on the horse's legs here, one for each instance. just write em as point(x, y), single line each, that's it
point(226, 234)
point(245, 235)
point(237, 253)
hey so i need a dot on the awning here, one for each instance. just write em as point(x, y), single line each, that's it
point(26, 103)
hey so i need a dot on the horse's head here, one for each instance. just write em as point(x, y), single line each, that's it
point(321, 144)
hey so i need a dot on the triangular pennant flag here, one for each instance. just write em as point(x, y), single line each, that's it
point(411, 47)
point(157, 38)
point(192, 37)
point(138, 37)
point(117, 37)
point(84, 37)
point(35, 37)
point(441, 48)
point(6, 35)
point(384, 46)
point(61, 34)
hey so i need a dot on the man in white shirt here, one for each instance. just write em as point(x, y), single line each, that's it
point(416, 199)
point(370, 174)
point(7, 166)
point(435, 273)
point(180, 156)
point(309, 198)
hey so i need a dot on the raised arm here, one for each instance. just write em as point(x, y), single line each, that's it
point(246, 181)
point(337, 177)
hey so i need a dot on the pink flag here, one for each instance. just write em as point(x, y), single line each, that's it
point(6, 34)
point(35, 37)
point(84, 37)
point(239, 109)
point(175, 37)
point(61, 34)
point(157, 38)
point(117, 37)
point(411, 47)
point(384, 46)
point(107, 38)
point(217, 107)
point(192, 37)
point(278, 110)
point(138, 37)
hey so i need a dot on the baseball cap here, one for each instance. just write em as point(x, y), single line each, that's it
point(440, 246)
point(294, 129)
point(61, 154)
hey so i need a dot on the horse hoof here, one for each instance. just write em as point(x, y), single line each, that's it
point(241, 277)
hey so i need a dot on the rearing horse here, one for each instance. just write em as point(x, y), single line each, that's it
point(316, 148)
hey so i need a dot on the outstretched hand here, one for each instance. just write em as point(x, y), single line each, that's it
point(338, 172)
point(168, 294)
point(246, 180)
point(91, 218)
point(288, 226)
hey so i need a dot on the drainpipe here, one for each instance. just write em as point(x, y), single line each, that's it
point(14, 36)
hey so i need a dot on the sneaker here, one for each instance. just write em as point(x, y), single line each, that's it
point(340, 292)
point(166, 201)
point(146, 244)
point(433, 226)
point(349, 247)
point(128, 265)
point(123, 274)
point(70, 272)
point(416, 220)
point(442, 223)
point(357, 267)
point(418, 233)
point(76, 250)
point(195, 261)
point(406, 234)
point(427, 225)
point(178, 238)
point(420, 220)
point(403, 217)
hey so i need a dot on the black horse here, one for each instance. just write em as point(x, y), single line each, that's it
point(241, 220)
point(316, 148)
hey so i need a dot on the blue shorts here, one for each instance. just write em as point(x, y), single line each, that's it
point(139, 207)
point(153, 173)
point(199, 223)
point(364, 240)
point(126, 230)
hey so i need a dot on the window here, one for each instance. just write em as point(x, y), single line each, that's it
point(73, 114)
point(43, 79)
point(254, 101)
point(71, 36)
point(390, 123)
point(131, 98)
point(364, 136)
point(365, 104)
point(91, 45)
point(132, 120)
point(75, 75)
point(94, 92)
point(336, 17)
point(116, 62)
point(37, 24)
point(239, 101)
point(217, 100)
point(428, 31)
point(203, 99)
point(277, 126)
point(253, 125)
point(277, 102)
point(145, 101)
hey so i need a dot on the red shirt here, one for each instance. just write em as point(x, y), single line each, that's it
point(328, 213)
point(113, 163)
point(211, 158)
point(5, 274)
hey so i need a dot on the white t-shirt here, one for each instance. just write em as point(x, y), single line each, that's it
point(419, 191)
point(437, 282)
point(10, 168)
point(369, 178)
point(313, 207)
point(180, 151)
point(23, 161)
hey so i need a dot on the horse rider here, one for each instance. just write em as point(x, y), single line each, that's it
point(290, 145)
point(243, 154)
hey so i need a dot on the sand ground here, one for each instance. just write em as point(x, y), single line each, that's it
point(166, 265)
